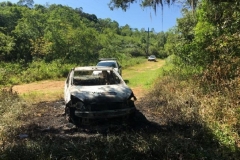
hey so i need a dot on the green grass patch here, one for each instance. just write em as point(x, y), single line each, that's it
point(143, 74)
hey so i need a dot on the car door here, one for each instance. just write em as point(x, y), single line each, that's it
point(119, 68)
point(67, 86)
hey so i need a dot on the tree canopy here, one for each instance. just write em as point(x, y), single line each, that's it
point(125, 4)
point(35, 32)
point(204, 39)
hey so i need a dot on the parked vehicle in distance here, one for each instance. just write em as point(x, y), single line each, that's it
point(110, 62)
point(93, 92)
point(152, 58)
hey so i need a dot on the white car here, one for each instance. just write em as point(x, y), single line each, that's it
point(90, 96)
point(152, 58)
point(110, 62)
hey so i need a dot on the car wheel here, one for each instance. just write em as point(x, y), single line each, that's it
point(70, 116)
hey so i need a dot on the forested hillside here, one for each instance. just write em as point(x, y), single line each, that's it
point(37, 32)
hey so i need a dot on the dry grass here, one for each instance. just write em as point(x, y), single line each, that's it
point(41, 91)
point(11, 109)
point(186, 103)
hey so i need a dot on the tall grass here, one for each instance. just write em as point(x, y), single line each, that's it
point(180, 98)
point(17, 73)
point(131, 61)
point(11, 109)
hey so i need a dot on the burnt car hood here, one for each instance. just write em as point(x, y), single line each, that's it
point(110, 93)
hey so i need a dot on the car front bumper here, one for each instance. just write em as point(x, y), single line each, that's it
point(105, 113)
point(151, 59)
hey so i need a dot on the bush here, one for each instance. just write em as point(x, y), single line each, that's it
point(179, 99)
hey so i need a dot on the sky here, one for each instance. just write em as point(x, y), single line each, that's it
point(134, 16)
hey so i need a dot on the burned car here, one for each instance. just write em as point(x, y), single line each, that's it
point(93, 92)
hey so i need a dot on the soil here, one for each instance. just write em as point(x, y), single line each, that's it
point(49, 117)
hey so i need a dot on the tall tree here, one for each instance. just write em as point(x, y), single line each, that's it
point(7, 45)
point(124, 4)
point(28, 3)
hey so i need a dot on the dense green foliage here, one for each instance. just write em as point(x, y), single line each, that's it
point(205, 38)
point(124, 4)
point(209, 40)
point(18, 73)
point(60, 32)
point(42, 42)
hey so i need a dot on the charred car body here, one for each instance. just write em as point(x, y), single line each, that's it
point(96, 92)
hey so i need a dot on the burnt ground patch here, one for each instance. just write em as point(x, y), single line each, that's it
point(46, 134)
point(49, 118)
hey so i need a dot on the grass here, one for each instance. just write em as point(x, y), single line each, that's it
point(41, 96)
point(36, 92)
point(213, 117)
point(143, 74)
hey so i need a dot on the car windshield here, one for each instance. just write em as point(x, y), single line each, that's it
point(107, 64)
point(92, 78)
point(152, 56)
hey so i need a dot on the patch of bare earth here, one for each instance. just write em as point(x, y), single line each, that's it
point(42, 86)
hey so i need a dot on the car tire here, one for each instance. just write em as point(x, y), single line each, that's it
point(70, 116)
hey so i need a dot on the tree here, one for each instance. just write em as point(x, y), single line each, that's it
point(124, 4)
point(28, 3)
point(28, 33)
point(126, 30)
point(7, 45)
point(172, 43)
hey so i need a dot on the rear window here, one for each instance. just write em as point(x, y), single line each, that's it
point(82, 73)
point(107, 64)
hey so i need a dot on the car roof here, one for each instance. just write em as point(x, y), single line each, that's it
point(107, 59)
point(92, 68)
